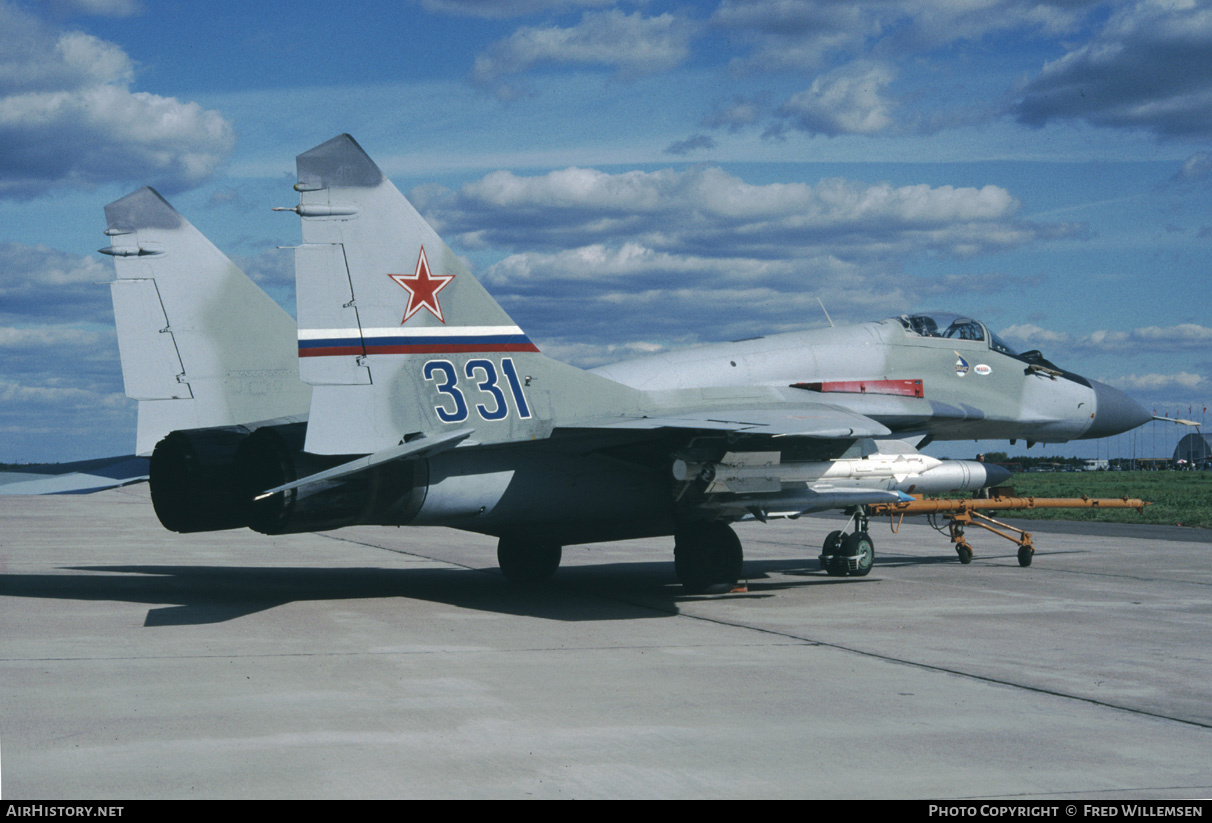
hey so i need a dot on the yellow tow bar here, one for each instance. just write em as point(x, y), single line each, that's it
point(967, 512)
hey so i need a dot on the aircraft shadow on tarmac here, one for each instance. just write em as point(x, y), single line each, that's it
point(607, 591)
point(215, 594)
point(182, 595)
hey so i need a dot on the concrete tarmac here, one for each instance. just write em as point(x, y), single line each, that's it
point(397, 663)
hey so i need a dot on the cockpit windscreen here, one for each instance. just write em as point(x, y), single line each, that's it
point(997, 344)
point(941, 324)
point(954, 327)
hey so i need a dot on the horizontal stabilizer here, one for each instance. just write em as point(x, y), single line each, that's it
point(80, 477)
point(421, 447)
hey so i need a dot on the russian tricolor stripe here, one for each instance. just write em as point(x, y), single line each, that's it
point(421, 340)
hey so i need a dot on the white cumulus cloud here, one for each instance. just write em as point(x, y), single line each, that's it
point(707, 212)
point(1180, 337)
point(1149, 67)
point(631, 44)
point(39, 284)
point(1154, 382)
point(806, 34)
point(98, 8)
point(68, 116)
point(44, 336)
point(1034, 335)
point(849, 100)
point(496, 9)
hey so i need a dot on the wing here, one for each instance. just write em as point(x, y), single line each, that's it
point(82, 477)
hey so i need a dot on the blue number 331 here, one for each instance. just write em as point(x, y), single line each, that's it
point(483, 373)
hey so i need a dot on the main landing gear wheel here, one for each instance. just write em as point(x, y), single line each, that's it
point(832, 559)
point(1025, 555)
point(527, 562)
point(706, 555)
point(859, 553)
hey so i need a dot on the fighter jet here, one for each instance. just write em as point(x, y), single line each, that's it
point(407, 396)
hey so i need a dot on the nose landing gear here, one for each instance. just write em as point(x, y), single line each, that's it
point(850, 553)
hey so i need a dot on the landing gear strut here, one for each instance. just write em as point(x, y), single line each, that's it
point(706, 555)
point(853, 553)
point(528, 562)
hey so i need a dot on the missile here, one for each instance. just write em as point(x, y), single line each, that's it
point(749, 480)
point(960, 475)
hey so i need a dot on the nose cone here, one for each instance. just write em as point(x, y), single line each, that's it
point(996, 475)
point(1114, 412)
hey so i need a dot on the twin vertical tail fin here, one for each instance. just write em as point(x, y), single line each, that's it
point(201, 344)
point(397, 337)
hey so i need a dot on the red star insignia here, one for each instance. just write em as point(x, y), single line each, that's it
point(423, 288)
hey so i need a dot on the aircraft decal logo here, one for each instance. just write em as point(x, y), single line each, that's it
point(982, 369)
point(961, 365)
point(423, 288)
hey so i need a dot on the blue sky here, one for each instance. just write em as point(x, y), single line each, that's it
point(629, 177)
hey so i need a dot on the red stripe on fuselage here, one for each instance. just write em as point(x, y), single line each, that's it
point(901, 388)
point(330, 351)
